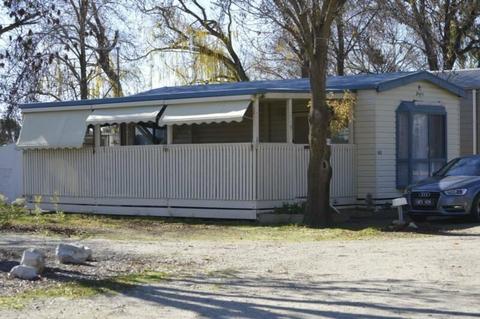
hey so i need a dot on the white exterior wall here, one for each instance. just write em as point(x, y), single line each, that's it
point(11, 176)
point(375, 129)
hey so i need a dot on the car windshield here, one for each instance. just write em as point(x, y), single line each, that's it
point(468, 166)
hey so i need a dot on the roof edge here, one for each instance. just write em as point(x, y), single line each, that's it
point(151, 98)
point(421, 76)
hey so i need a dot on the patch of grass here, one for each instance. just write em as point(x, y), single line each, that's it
point(83, 288)
point(155, 228)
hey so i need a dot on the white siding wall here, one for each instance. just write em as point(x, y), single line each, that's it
point(11, 173)
point(364, 128)
point(375, 130)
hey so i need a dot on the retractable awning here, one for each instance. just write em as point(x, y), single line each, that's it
point(204, 112)
point(143, 114)
point(62, 129)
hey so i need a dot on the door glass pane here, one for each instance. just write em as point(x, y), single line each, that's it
point(437, 136)
point(420, 171)
point(420, 136)
point(402, 135)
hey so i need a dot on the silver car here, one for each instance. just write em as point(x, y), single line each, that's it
point(454, 190)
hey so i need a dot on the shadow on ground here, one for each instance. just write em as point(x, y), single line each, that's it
point(382, 220)
point(278, 298)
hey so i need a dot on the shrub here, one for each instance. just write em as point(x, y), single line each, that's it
point(287, 208)
point(9, 213)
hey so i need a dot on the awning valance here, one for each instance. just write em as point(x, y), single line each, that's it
point(65, 129)
point(143, 114)
point(205, 112)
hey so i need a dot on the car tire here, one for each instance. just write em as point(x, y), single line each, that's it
point(475, 210)
point(418, 219)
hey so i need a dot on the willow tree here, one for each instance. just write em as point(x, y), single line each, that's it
point(309, 24)
point(204, 37)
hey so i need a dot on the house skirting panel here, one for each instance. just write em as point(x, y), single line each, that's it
point(165, 208)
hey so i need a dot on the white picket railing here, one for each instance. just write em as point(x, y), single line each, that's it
point(236, 172)
point(282, 171)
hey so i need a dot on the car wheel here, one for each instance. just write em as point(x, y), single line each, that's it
point(475, 212)
point(418, 219)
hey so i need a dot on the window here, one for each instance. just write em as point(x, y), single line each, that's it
point(300, 128)
point(421, 141)
point(147, 134)
point(300, 131)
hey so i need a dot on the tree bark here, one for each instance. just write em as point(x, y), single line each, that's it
point(341, 55)
point(319, 170)
point(103, 50)
point(82, 25)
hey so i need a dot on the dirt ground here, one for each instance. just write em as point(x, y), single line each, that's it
point(432, 277)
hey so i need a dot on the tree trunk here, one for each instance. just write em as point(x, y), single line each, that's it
point(304, 64)
point(341, 46)
point(319, 170)
point(82, 24)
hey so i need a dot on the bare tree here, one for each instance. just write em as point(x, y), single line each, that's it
point(309, 24)
point(104, 48)
point(20, 13)
point(349, 29)
point(448, 29)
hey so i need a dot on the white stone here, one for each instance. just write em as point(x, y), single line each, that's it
point(23, 272)
point(34, 258)
point(73, 254)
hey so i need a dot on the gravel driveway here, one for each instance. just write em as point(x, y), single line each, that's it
point(432, 277)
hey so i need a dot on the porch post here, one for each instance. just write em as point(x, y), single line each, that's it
point(256, 121)
point(289, 121)
point(169, 134)
point(96, 135)
point(351, 133)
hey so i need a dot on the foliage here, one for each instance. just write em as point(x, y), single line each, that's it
point(10, 213)
point(37, 211)
point(9, 130)
point(84, 288)
point(55, 199)
point(341, 110)
point(287, 208)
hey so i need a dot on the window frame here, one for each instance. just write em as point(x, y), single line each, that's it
point(410, 109)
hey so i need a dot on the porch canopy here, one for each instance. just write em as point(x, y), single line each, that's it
point(61, 129)
point(205, 112)
point(143, 114)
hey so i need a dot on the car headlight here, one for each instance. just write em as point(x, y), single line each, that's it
point(456, 192)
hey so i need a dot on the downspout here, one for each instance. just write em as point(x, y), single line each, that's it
point(474, 119)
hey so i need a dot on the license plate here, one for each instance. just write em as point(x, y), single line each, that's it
point(423, 202)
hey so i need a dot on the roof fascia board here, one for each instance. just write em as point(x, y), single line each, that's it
point(161, 97)
point(278, 95)
point(137, 104)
